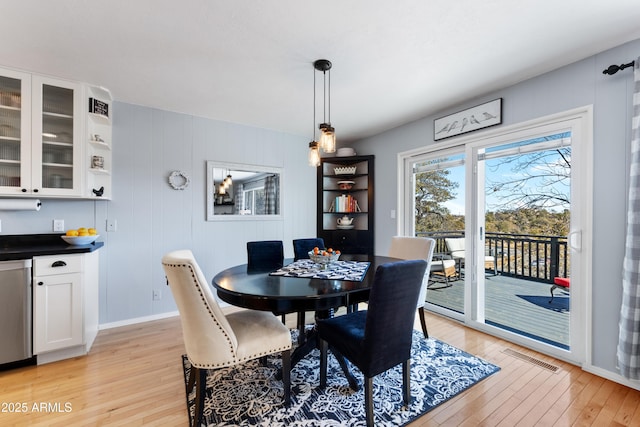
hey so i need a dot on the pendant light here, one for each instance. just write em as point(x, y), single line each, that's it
point(314, 152)
point(327, 132)
point(221, 188)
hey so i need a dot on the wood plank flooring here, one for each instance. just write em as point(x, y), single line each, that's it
point(133, 377)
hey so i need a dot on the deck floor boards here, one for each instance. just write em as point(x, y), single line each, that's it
point(516, 304)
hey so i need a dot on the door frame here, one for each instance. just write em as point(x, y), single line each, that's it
point(581, 124)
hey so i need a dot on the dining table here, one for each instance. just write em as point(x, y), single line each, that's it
point(282, 293)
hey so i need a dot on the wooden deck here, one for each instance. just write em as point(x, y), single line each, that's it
point(518, 305)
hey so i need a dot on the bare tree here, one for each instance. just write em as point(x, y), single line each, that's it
point(536, 180)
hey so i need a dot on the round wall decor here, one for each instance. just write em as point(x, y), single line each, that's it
point(179, 180)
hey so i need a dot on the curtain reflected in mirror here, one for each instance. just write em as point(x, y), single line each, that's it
point(237, 191)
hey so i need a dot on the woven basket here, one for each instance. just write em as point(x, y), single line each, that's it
point(345, 170)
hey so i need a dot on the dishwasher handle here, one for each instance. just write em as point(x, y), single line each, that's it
point(59, 264)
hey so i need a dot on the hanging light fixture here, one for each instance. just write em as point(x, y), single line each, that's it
point(327, 132)
point(314, 152)
point(228, 181)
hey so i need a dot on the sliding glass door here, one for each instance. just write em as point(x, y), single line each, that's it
point(509, 224)
point(438, 182)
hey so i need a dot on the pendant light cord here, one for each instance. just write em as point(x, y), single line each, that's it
point(314, 105)
point(329, 97)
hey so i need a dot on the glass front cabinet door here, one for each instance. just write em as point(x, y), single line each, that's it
point(40, 126)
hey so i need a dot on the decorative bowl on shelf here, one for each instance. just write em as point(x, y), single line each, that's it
point(345, 170)
point(80, 240)
point(346, 185)
point(324, 258)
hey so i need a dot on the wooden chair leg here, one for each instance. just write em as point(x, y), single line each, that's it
point(192, 379)
point(201, 388)
point(368, 400)
point(324, 346)
point(423, 322)
point(301, 337)
point(406, 382)
point(286, 376)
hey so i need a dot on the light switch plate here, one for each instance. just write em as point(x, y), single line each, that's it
point(112, 225)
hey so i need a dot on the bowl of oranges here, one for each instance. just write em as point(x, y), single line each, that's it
point(80, 236)
point(323, 257)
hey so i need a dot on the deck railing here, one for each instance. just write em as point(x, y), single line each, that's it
point(539, 258)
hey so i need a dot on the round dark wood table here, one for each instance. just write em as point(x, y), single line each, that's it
point(258, 290)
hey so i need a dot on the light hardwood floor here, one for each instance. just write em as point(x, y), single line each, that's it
point(133, 376)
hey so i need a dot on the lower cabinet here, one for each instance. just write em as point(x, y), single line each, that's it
point(65, 305)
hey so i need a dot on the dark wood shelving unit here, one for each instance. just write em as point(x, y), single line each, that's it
point(360, 238)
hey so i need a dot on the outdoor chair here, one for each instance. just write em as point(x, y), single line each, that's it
point(379, 338)
point(456, 249)
point(416, 248)
point(213, 340)
point(559, 282)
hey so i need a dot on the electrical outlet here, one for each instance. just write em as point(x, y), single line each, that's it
point(112, 225)
point(58, 225)
point(157, 295)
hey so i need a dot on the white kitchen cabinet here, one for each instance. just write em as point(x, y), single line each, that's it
point(52, 134)
point(65, 305)
point(40, 144)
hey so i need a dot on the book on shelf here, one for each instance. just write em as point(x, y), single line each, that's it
point(345, 203)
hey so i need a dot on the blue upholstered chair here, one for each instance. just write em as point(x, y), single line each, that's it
point(301, 247)
point(266, 255)
point(379, 338)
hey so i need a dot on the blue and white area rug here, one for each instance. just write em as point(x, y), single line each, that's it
point(337, 270)
point(251, 395)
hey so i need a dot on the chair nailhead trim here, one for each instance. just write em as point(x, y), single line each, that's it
point(236, 361)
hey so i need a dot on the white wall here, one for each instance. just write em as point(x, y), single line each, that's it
point(576, 85)
point(152, 218)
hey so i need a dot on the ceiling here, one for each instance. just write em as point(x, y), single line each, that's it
point(250, 61)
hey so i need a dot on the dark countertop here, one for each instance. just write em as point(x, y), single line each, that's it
point(25, 246)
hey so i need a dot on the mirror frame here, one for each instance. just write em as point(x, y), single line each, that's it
point(211, 189)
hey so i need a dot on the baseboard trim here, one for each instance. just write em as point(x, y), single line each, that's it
point(612, 376)
point(137, 320)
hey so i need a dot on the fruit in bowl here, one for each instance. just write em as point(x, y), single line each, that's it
point(80, 236)
point(323, 257)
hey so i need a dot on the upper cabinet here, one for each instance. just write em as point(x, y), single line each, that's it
point(43, 147)
point(345, 203)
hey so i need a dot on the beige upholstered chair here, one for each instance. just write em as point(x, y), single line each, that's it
point(416, 248)
point(213, 340)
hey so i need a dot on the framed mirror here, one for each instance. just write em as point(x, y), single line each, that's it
point(243, 192)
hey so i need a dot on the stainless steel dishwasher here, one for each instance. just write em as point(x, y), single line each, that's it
point(15, 311)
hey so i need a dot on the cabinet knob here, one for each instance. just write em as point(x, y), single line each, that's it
point(40, 283)
point(24, 190)
point(35, 190)
point(59, 264)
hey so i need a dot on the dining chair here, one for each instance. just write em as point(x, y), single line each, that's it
point(214, 340)
point(416, 248)
point(302, 247)
point(265, 255)
point(378, 338)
